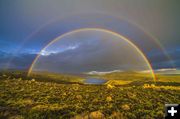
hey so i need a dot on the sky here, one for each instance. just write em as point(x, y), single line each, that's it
point(28, 26)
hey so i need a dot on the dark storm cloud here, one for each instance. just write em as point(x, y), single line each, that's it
point(97, 50)
point(160, 61)
point(66, 64)
point(20, 18)
point(99, 57)
point(11, 61)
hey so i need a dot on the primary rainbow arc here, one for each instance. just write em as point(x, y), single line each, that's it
point(95, 29)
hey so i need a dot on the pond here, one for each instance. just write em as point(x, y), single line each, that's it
point(94, 81)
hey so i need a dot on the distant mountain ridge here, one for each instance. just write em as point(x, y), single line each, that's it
point(164, 71)
point(158, 71)
point(168, 71)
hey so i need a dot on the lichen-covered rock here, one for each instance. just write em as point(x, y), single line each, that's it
point(96, 115)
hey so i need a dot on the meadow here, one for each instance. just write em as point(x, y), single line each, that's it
point(58, 96)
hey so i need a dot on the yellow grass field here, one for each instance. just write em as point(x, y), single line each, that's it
point(36, 97)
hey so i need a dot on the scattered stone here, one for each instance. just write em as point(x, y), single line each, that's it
point(33, 80)
point(96, 115)
point(117, 115)
point(125, 107)
point(109, 86)
point(79, 97)
point(19, 79)
point(108, 99)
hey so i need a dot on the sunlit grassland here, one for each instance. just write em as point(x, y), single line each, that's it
point(125, 78)
point(37, 97)
point(58, 78)
point(168, 78)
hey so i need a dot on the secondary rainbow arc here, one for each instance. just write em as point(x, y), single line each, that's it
point(145, 31)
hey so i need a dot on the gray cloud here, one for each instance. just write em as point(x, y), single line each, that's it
point(20, 18)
